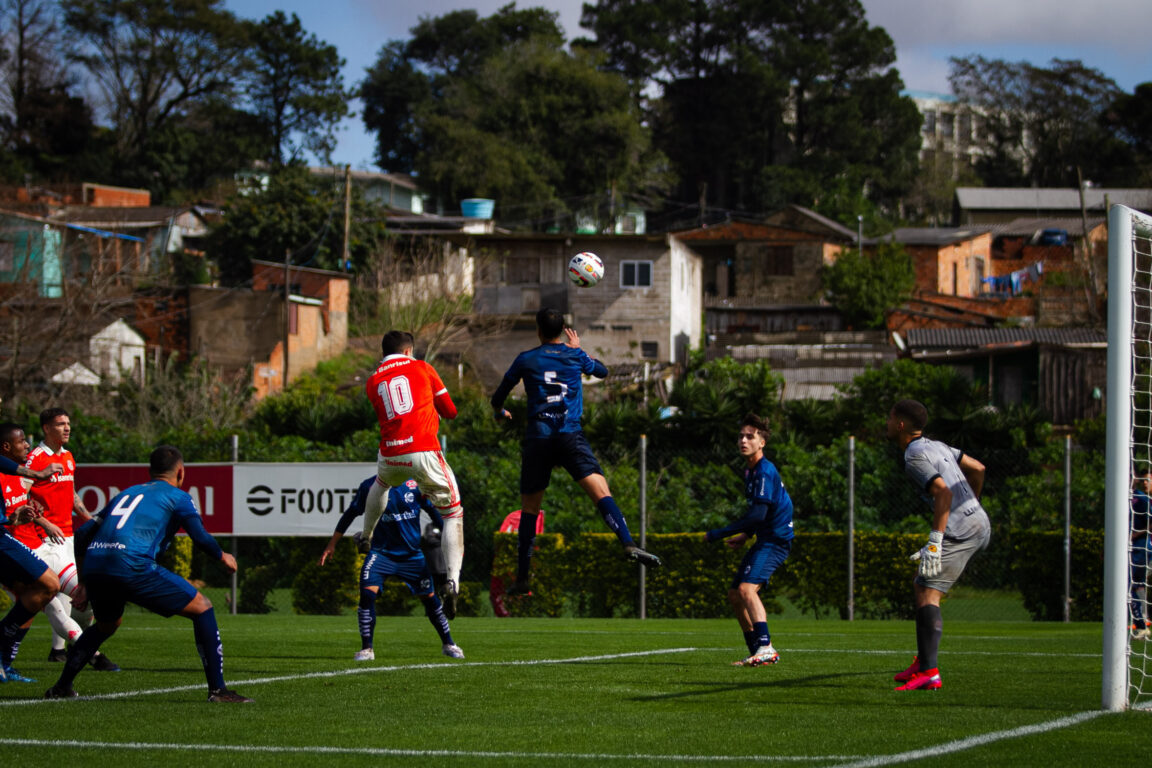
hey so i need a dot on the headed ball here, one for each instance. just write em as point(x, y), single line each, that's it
point(585, 269)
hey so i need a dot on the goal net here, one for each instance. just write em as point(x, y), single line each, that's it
point(1127, 678)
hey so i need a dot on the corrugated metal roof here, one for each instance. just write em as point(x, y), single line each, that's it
point(1024, 198)
point(1026, 227)
point(967, 338)
point(935, 236)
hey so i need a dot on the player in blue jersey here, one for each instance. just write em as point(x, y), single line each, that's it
point(120, 566)
point(768, 519)
point(396, 550)
point(950, 481)
point(553, 436)
point(28, 577)
point(1139, 550)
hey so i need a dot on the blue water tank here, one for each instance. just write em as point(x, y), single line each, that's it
point(477, 208)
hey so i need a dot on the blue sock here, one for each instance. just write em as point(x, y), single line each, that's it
point(12, 631)
point(760, 629)
point(12, 647)
point(751, 641)
point(366, 617)
point(80, 654)
point(434, 610)
point(524, 544)
point(615, 519)
point(207, 634)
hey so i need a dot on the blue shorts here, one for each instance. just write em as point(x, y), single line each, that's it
point(761, 562)
point(414, 572)
point(538, 455)
point(18, 563)
point(157, 589)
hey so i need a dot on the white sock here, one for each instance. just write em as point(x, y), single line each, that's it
point(452, 544)
point(374, 507)
point(64, 628)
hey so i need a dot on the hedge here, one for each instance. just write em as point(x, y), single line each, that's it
point(587, 577)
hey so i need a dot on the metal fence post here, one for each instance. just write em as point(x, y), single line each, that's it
point(235, 539)
point(643, 523)
point(851, 527)
point(1067, 528)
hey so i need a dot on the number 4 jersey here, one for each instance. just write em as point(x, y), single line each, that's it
point(409, 399)
point(138, 524)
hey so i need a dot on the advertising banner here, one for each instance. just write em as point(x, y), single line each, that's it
point(246, 499)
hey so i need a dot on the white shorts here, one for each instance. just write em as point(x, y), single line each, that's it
point(61, 558)
point(430, 470)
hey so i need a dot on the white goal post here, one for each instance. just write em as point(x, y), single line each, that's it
point(1128, 443)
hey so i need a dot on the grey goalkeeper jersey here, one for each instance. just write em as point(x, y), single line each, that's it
point(925, 460)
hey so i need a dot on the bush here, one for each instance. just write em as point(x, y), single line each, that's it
point(255, 584)
point(330, 588)
point(1038, 561)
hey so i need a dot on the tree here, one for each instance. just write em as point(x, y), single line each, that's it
point(1041, 125)
point(296, 87)
point(1130, 117)
point(297, 214)
point(535, 125)
point(152, 59)
point(46, 127)
point(865, 286)
point(442, 49)
point(495, 107)
point(760, 105)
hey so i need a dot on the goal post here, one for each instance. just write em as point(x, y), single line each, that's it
point(1128, 443)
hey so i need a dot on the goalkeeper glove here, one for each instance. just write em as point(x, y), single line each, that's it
point(929, 554)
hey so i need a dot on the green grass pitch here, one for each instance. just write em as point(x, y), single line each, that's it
point(538, 692)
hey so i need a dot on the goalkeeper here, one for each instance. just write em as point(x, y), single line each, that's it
point(951, 482)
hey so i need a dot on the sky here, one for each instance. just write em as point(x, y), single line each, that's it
point(1109, 35)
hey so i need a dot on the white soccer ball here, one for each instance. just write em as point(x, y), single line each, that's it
point(585, 269)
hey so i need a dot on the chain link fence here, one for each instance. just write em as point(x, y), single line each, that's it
point(1042, 562)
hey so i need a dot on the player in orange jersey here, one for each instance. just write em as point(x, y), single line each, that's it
point(58, 497)
point(410, 399)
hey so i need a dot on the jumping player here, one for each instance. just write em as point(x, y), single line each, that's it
point(60, 501)
point(409, 399)
point(395, 550)
point(25, 575)
point(120, 566)
point(950, 482)
point(769, 519)
point(553, 436)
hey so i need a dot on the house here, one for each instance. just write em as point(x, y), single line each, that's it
point(646, 308)
point(764, 277)
point(1062, 371)
point(1000, 205)
point(162, 232)
point(232, 329)
point(947, 260)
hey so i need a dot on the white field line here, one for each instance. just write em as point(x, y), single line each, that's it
point(949, 747)
point(360, 670)
point(385, 752)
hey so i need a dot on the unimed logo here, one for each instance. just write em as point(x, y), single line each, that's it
point(263, 500)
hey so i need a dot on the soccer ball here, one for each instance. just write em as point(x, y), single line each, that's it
point(585, 269)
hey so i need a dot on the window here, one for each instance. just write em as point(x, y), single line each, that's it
point(7, 256)
point(930, 123)
point(778, 260)
point(635, 274)
point(649, 350)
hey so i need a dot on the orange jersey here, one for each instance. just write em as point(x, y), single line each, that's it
point(16, 496)
point(409, 399)
point(58, 493)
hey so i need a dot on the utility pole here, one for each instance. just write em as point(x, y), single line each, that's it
point(347, 214)
point(287, 316)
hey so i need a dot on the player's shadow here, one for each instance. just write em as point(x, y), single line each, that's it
point(706, 688)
